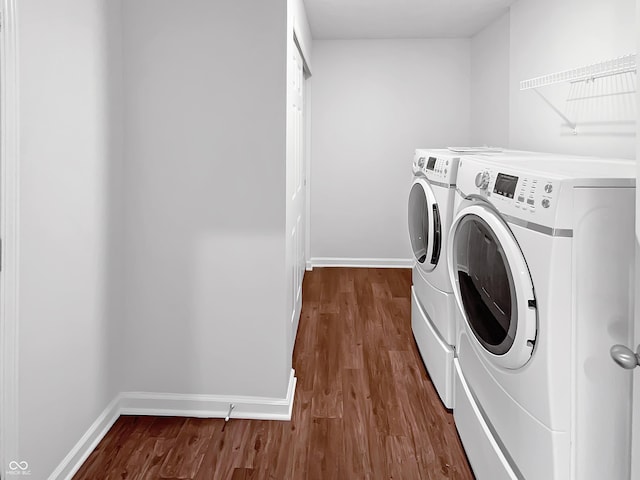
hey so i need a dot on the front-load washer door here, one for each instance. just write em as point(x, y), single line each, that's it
point(425, 227)
point(492, 286)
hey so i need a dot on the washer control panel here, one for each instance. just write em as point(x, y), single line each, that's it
point(534, 193)
point(512, 191)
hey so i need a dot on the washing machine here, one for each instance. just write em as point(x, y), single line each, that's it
point(540, 255)
point(431, 208)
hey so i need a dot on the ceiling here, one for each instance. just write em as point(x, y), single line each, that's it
point(349, 19)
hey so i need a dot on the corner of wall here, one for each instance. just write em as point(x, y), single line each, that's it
point(490, 81)
point(177, 405)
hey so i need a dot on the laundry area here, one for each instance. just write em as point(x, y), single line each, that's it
point(539, 253)
point(320, 239)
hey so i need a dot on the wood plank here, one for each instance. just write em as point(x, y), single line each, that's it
point(399, 281)
point(327, 385)
point(350, 336)
point(218, 461)
point(357, 422)
point(323, 460)
point(301, 438)
point(148, 466)
point(401, 457)
point(244, 474)
point(184, 459)
point(387, 410)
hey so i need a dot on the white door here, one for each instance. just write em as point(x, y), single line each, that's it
point(635, 442)
point(296, 208)
point(635, 437)
point(425, 227)
point(628, 356)
point(492, 286)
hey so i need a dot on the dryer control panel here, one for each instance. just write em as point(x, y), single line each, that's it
point(437, 166)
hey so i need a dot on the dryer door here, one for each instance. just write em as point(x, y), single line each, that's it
point(492, 286)
point(424, 225)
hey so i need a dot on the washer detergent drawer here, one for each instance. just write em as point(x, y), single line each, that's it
point(436, 354)
point(485, 456)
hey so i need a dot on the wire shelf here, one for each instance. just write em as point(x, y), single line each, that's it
point(624, 64)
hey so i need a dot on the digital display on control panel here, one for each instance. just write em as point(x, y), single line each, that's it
point(431, 163)
point(505, 185)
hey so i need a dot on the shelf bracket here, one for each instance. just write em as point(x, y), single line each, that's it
point(571, 124)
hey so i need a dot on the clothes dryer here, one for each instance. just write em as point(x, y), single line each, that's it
point(430, 214)
point(541, 255)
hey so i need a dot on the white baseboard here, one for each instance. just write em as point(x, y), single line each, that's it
point(360, 262)
point(89, 441)
point(209, 406)
point(177, 405)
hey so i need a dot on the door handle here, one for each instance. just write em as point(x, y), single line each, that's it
point(625, 357)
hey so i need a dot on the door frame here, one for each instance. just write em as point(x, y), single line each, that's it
point(299, 259)
point(307, 162)
point(306, 153)
point(9, 233)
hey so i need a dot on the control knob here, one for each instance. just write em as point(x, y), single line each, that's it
point(482, 180)
point(548, 188)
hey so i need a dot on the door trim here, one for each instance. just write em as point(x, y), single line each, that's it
point(9, 232)
point(307, 163)
point(297, 253)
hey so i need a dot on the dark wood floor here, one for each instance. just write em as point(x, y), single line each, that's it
point(364, 405)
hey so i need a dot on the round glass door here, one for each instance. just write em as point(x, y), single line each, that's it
point(424, 225)
point(492, 286)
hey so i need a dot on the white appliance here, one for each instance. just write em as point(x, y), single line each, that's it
point(432, 304)
point(541, 257)
point(431, 210)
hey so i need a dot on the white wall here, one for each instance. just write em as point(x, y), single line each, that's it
point(205, 197)
point(70, 161)
point(490, 85)
point(374, 102)
point(549, 36)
